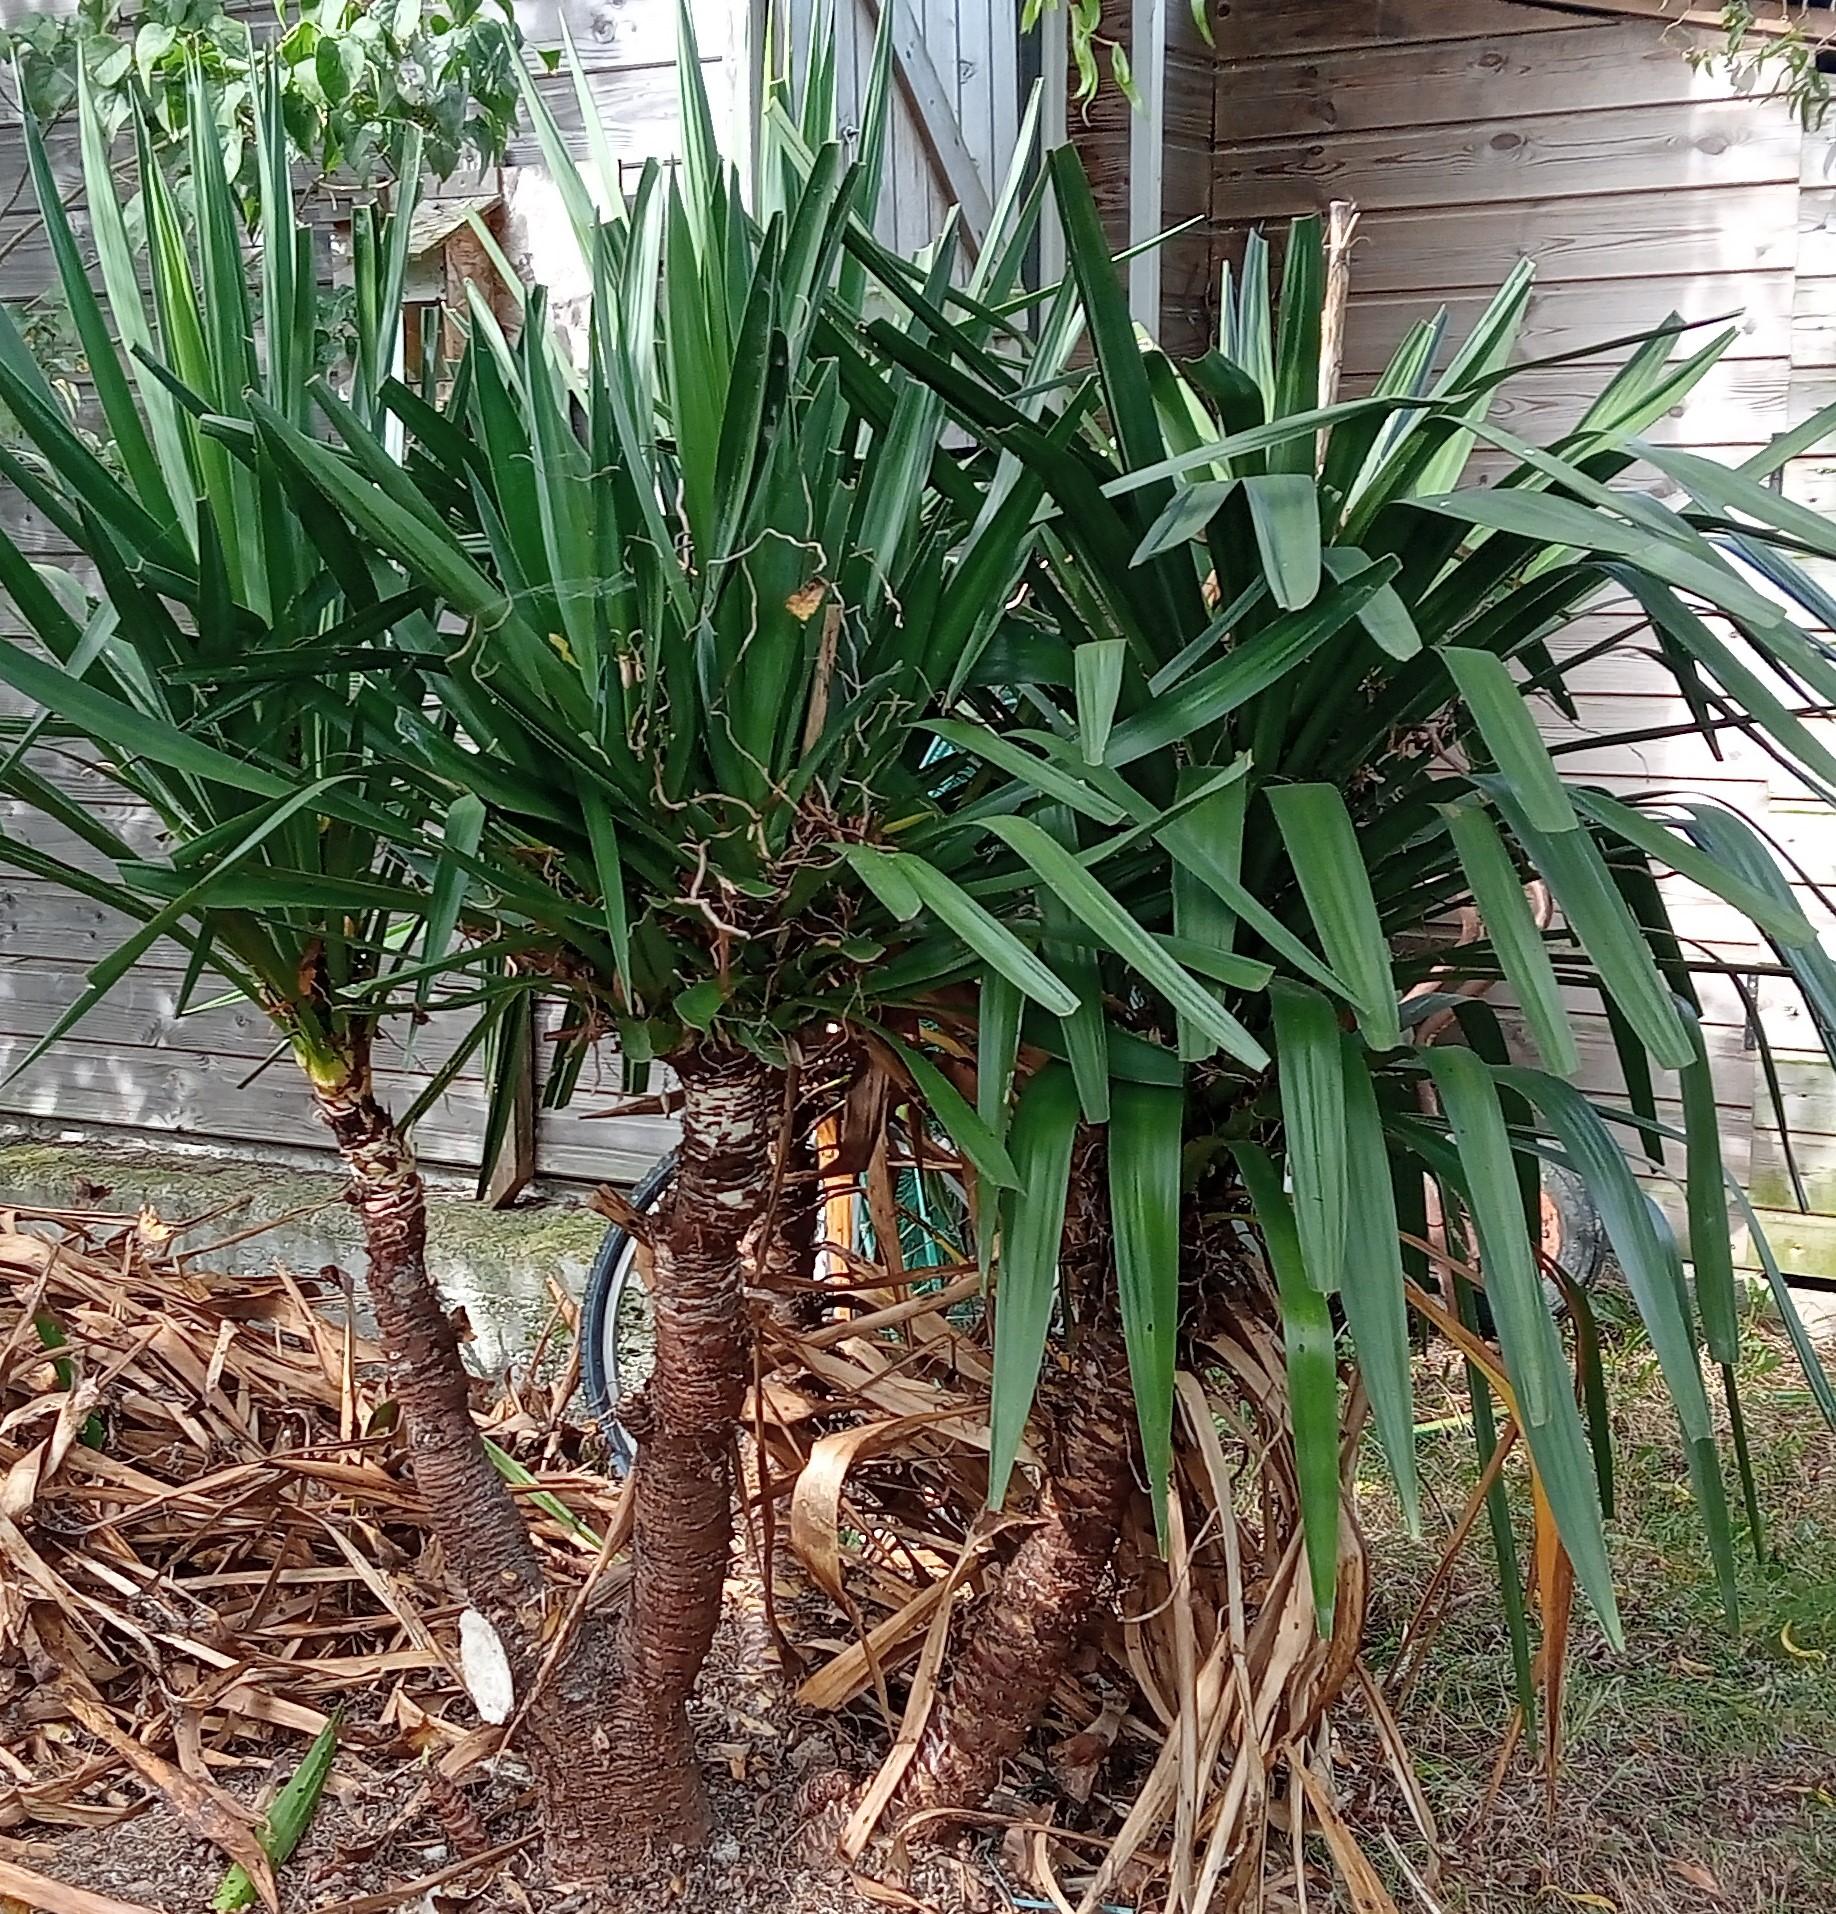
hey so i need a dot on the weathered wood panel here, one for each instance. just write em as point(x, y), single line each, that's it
point(1572, 316)
point(1449, 82)
point(1615, 236)
point(1272, 29)
point(1546, 156)
point(1472, 134)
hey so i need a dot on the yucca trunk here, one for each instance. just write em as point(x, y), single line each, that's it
point(684, 1419)
point(481, 1533)
point(1022, 1640)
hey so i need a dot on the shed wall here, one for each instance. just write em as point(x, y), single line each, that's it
point(1471, 133)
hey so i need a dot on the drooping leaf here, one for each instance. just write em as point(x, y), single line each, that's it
point(1040, 1144)
point(1322, 845)
point(1526, 1330)
point(1312, 1082)
point(1312, 1378)
point(1146, 1131)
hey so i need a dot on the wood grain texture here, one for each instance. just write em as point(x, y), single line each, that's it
point(1615, 236)
point(1370, 88)
point(1571, 316)
point(1544, 156)
point(1270, 29)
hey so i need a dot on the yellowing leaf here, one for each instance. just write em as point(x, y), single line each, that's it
point(804, 603)
point(1794, 1651)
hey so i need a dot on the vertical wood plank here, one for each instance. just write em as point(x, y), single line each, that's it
point(1147, 146)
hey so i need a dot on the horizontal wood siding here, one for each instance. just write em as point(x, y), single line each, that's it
point(1473, 133)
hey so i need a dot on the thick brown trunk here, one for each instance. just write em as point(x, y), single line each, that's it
point(1021, 1640)
point(684, 1420)
point(486, 1545)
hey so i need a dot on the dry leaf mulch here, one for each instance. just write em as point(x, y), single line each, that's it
point(208, 1549)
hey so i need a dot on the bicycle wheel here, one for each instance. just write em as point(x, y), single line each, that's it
point(617, 1331)
point(1573, 1234)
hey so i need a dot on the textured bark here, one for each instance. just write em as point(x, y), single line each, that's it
point(684, 1419)
point(1022, 1638)
point(487, 1547)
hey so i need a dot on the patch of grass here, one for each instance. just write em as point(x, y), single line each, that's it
point(1700, 1765)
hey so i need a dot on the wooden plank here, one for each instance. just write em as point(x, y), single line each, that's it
point(1505, 75)
point(1741, 399)
point(1569, 316)
point(1669, 15)
point(140, 1014)
point(934, 114)
point(1809, 1093)
point(1769, 1182)
point(201, 1095)
point(1147, 155)
point(1186, 190)
point(1663, 763)
point(1614, 236)
point(1801, 1245)
point(1250, 30)
point(86, 1085)
point(1541, 157)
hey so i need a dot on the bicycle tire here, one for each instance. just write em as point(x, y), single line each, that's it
point(606, 1284)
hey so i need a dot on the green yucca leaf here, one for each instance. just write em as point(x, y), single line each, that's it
point(1654, 1273)
point(1371, 1282)
point(1384, 616)
point(1297, 345)
point(1215, 690)
point(1711, 1248)
point(1499, 895)
point(1313, 1382)
point(1571, 863)
point(1098, 667)
point(997, 1043)
point(1526, 1331)
point(1322, 845)
point(991, 940)
point(1312, 1083)
point(1062, 874)
point(1146, 1133)
point(1040, 1142)
point(1184, 516)
point(980, 1144)
point(1045, 777)
point(1086, 1030)
point(1284, 509)
point(1499, 709)
point(1561, 522)
point(1779, 917)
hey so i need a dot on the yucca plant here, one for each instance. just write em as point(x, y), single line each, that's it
point(697, 595)
point(235, 671)
point(1282, 678)
point(821, 661)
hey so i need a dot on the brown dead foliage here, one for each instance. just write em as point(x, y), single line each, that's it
point(209, 1545)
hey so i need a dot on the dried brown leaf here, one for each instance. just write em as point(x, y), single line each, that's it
point(36, 1890)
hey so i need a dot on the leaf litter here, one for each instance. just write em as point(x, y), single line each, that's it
point(212, 1548)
